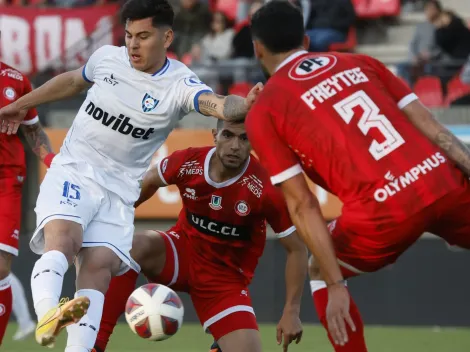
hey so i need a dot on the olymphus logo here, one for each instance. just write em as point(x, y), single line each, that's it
point(397, 184)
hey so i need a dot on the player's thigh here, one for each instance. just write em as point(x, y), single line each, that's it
point(224, 312)
point(66, 196)
point(10, 215)
point(149, 252)
point(363, 250)
point(248, 340)
point(453, 222)
point(172, 268)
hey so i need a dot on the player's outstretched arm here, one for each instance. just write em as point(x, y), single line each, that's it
point(60, 87)
point(423, 119)
point(231, 107)
point(305, 213)
point(150, 184)
point(63, 86)
point(38, 141)
point(289, 327)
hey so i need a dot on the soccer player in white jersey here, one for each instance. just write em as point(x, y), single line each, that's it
point(85, 206)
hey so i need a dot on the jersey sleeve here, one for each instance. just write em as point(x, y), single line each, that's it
point(168, 168)
point(276, 213)
point(402, 94)
point(32, 115)
point(188, 91)
point(275, 155)
point(88, 72)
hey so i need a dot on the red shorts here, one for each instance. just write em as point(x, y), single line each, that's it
point(10, 214)
point(220, 312)
point(361, 250)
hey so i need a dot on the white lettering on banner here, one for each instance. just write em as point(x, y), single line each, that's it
point(15, 43)
point(397, 184)
point(32, 41)
point(48, 30)
point(164, 194)
point(74, 34)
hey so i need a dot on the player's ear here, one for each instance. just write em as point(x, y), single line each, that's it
point(306, 42)
point(258, 47)
point(214, 134)
point(168, 39)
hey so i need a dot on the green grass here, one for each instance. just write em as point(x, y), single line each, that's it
point(191, 339)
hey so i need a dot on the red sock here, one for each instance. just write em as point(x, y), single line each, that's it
point(115, 300)
point(356, 342)
point(5, 305)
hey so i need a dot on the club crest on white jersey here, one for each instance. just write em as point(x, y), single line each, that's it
point(149, 103)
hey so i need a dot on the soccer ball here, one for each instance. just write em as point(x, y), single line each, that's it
point(154, 312)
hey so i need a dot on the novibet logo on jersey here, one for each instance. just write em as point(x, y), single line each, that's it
point(119, 124)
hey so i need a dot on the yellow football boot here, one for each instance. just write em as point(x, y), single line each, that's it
point(66, 313)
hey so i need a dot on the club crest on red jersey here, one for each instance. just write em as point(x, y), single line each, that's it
point(242, 208)
point(311, 66)
point(9, 93)
point(216, 202)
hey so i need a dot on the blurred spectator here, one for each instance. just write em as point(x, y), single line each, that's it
point(329, 22)
point(452, 34)
point(242, 41)
point(217, 45)
point(192, 23)
point(422, 52)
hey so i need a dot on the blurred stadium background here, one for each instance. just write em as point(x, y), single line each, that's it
point(427, 287)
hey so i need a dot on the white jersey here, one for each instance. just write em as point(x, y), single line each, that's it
point(126, 116)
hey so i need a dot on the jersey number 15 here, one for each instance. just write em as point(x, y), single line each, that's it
point(371, 118)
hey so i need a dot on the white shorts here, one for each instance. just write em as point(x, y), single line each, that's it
point(107, 221)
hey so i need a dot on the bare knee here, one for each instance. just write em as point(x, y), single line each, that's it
point(95, 267)
point(247, 340)
point(63, 236)
point(313, 269)
point(5, 264)
point(148, 250)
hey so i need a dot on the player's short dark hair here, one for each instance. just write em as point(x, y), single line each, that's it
point(160, 11)
point(279, 25)
point(220, 123)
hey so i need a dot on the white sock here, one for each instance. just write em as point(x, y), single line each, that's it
point(20, 304)
point(46, 281)
point(82, 336)
point(316, 285)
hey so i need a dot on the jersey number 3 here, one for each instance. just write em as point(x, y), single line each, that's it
point(371, 118)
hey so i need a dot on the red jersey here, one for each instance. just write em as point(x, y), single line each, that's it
point(225, 222)
point(13, 85)
point(339, 118)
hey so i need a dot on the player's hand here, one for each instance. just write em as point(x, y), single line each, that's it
point(337, 314)
point(253, 94)
point(289, 329)
point(10, 118)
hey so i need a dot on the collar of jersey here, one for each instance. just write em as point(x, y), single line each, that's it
point(225, 183)
point(291, 58)
point(164, 68)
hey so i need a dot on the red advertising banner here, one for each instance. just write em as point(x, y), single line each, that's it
point(35, 39)
point(166, 203)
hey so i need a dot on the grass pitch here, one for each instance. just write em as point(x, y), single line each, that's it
point(192, 339)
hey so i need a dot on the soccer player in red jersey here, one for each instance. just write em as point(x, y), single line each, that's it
point(213, 249)
point(12, 174)
point(360, 133)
